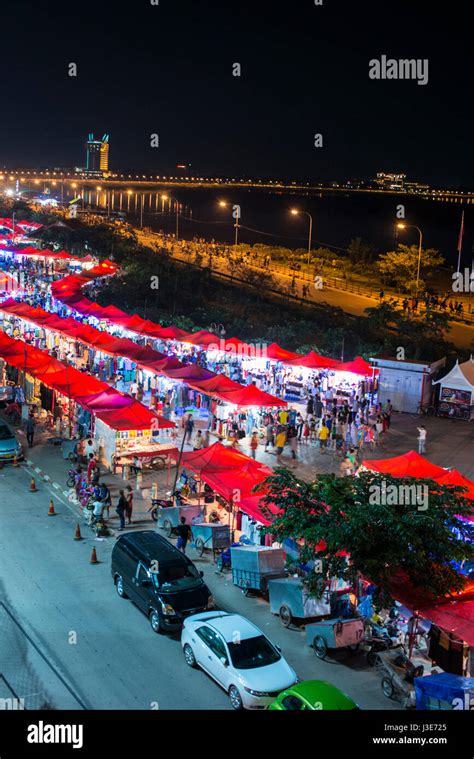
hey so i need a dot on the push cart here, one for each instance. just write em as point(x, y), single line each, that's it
point(290, 600)
point(170, 517)
point(254, 566)
point(398, 674)
point(334, 633)
point(213, 537)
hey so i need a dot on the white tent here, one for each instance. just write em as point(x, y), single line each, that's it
point(456, 399)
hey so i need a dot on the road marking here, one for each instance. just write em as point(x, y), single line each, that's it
point(56, 485)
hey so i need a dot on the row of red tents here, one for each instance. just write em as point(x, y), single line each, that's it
point(68, 290)
point(58, 255)
point(118, 410)
point(202, 380)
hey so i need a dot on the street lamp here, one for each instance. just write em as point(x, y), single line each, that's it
point(223, 204)
point(402, 225)
point(296, 212)
point(167, 197)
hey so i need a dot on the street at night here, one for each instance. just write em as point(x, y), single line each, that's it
point(236, 379)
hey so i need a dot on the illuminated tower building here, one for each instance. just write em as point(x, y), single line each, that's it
point(97, 159)
point(104, 153)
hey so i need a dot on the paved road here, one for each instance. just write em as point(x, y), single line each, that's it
point(462, 335)
point(57, 596)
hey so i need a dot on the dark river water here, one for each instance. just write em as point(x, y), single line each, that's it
point(337, 218)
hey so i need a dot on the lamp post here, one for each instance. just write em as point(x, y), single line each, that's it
point(141, 210)
point(402, 225)
point(296, 212)
point(167, 197)
point(223, 204)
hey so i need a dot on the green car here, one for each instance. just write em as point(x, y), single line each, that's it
point(313, 695)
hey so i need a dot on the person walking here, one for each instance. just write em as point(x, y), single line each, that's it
point(121, 509)
point(188, 428)
point(323, 435)
point(104, 497)
point(269, 436)
point(280, 443)
point(88, 449)
point(198, 442)
point(421, 439)
point(184, 533)
point(292, 436)
point(254, 445)
point(129, 506)
point(30, 430)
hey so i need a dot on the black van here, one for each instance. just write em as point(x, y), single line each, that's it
point(158, 578)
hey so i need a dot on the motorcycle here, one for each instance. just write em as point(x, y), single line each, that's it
point(13, 412)
point(164, 503)
point(71, 477)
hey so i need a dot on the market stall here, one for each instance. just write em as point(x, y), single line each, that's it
point(456, 392)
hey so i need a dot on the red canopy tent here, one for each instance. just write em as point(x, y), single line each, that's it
point(171, 333)
point(218, 458)
point(250, 395)
point(276, 353)
point(456, 478)
point(252, 505)
point(313, 360)
point(357, 366)
point(202, 337)
point(454, 613)
point(133, 417)
point(410, 464)
point(108, 400)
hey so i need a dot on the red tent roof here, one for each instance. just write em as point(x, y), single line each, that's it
point(358, 366)
point(276, 353)
point(456, 478)
point(250, 395)
point(218, 457)
point(410, 464)
point(202, 337)
point(108, 400)
point(252, 506)
point(313, 360)
point(455, 613)
point(172, 333)
point(133, 417)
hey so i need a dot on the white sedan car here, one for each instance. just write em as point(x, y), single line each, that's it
point(238, 656)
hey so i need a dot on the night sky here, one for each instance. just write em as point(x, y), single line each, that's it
point(167, 69)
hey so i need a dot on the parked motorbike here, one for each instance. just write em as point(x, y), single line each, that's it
point(13, 412)
point(164, 503)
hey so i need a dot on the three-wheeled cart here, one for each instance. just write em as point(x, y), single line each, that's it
point(444, 691)
point(290, 600)
point(398, 674)
point(334, 633)
point(214, 537)
point(169, 517)
point(254, 566)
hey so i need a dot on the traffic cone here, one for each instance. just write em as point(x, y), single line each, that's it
point(15, 460)
point(94, 559)
point(51, 511)
point(33, 488)
point(77, 534)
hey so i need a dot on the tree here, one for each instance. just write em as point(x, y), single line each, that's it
point(349, 533)
point(399, 267)
point(359, 251)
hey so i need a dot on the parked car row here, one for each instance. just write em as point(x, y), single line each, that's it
point(167, 587)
